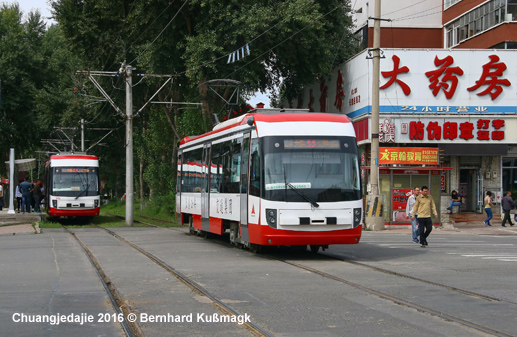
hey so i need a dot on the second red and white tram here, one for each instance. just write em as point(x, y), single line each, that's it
point(72, 185)
point(273, 178)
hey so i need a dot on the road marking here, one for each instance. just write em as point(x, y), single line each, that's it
point(498, 257)
point(447, 244)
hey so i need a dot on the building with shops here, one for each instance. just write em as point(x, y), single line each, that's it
point(447, 115)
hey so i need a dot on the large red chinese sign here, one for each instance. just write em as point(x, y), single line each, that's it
point(482, 130)
point(409, 155)
point(445, 77)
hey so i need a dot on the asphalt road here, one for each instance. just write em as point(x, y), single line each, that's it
point(48, 273)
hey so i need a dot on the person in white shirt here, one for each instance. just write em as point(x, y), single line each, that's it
point(18, 195)
point(1, 196)
point(409, 209)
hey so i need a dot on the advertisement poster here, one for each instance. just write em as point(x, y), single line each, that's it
point(399, 197)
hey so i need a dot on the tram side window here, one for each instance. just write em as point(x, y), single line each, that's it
point(192, 171)
point(255, 169)
point(225, 166)
point(245, 165)
point(216, 168)
point(178, 176)
point(232, 184)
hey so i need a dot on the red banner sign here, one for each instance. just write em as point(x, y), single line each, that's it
point(409, 155)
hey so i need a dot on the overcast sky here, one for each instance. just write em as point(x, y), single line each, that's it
point(27, 5)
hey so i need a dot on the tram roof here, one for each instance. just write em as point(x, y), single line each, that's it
point(73, 156)
point(271, 116)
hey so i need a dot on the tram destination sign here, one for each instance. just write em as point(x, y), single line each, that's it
point(311, 144)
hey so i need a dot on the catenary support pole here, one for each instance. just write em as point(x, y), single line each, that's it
point(127, 72)
point(129, 144)
point(82, 135)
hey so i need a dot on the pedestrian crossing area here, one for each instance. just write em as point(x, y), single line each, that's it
point(499, 257)
point(481, 249)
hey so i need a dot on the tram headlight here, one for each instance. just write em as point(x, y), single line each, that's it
point(357, 217)
point(54, 203)
point(96, 203)
point(271, 217)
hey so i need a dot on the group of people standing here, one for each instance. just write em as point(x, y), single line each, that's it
point(29, 195)
point(419, 207)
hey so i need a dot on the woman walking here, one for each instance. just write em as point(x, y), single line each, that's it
point(488, 208)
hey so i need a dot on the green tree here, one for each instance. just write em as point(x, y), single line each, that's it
point(291, 43)
point(20, 73)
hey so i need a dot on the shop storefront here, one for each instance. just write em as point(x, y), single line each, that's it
point(471, 168)
point(463, 103)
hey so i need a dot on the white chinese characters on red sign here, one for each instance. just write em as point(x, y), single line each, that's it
point(445, 77)
point(387, 131)
point(482, 130)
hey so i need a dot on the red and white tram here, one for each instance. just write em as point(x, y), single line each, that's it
point(72, 185)
point(275, 178)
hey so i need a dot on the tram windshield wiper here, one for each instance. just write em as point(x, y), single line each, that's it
point(85, 190)
point(306, 198)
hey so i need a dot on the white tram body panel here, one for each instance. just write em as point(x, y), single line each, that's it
point(72, 186)
point(276, 178)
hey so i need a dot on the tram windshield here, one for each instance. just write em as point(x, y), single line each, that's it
point(75, 181)
point(320, 169)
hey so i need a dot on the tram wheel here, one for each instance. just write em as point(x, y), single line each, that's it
point(315, 248)
point(191, 228)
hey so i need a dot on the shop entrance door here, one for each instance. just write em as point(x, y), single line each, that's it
point(471, 189)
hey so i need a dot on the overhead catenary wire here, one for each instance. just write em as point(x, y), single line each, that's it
point(164, 28)
point(226, 55)
point(417, 15)
point(401, 9)
point(280, 43)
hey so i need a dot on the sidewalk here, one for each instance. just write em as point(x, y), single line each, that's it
point(476, 228)
point(19, 223)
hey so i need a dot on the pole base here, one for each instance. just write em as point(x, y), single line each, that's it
point(374, 223)
point(374, 214)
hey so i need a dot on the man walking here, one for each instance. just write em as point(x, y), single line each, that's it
point(409, 209)
point(424, 204)
point(507, 204)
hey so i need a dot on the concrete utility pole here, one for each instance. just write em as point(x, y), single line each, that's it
point(126, 70)
point(375, 205)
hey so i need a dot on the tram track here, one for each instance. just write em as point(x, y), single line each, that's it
point(396, 300)
point(254, 328)
point(393, 273)
point(385, 271)
point(131, 329)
